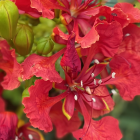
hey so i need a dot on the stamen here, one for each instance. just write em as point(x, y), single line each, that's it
point(92, 75)
point(94, 100)
point(75, 97)
point(114, 91)
point(113, 74)
point(100, 81)
point(20, 134)
point(81, 83)
point(88, 90)
point(96, 61)
point(16, 138)
point(127, 34)
point(30, 137)
point(94, 82)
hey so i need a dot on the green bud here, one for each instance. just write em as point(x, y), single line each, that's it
point(44, 46)
point(23, 39)
point(25, 93)
point(8, 19)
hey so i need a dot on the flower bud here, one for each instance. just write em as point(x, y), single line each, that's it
point(44, 46)
point(23, 40)
point(8, 19)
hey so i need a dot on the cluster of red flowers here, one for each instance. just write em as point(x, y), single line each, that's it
point(102, 49)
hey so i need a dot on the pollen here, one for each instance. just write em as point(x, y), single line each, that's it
point(92, 75)
point(100, 81)
point(114, 91)
point(96, 61)
point(94, 82)
point(81, 83)
point(30, 137)
point(113, 74)
point(94, 100)
point(75, 97)
point(88, 90)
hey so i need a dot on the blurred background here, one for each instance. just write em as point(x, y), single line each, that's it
point(128, 113)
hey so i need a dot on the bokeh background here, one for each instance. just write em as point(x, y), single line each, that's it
point(128, 113)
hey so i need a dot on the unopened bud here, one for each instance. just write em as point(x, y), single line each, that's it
point(8, 19)
point(44, 46)
point(23, 40)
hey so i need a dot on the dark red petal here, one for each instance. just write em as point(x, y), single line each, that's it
point(62, 124)
point(8, 124)
point(133, 13)
point(70, 58)
point(2, 104)
point(38, 105)
point(9, 64)
point(42, 67)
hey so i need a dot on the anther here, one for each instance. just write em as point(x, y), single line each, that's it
point(88, 90)
point(81, 83)
point(16, 138)
point(75, 97)
point(114, 91)
point(100, 81)
point(94, 100)
point(92, 75)
point(30, 137)
point(114, 14)
point(96, 61)
point(94, 82)
point(127, 34)
point(20, 134)
point(113, 74)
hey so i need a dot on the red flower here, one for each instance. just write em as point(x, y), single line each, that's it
point(74, 13)
point(42, 67)
point(9, 64)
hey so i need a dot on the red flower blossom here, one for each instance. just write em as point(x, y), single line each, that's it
point(9, 64)
point(38, 106)
point(42, 67)
point(75, 12)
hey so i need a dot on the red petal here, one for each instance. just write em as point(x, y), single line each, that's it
point(8, 124)
point(110, 37)
point(25, 6)
point(45, 12)
point(133, 13)
point(63, 126)
point(68, 106)
point(37, 106)
point(42, 67)
point(90, 38)
point(126, 66)
point(2, 103)
point(106, 128)
point(9, 64)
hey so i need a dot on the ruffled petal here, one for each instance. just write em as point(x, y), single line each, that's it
point(133, 13)
point(9, 64)
point(38, 105)
point(42, 67)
